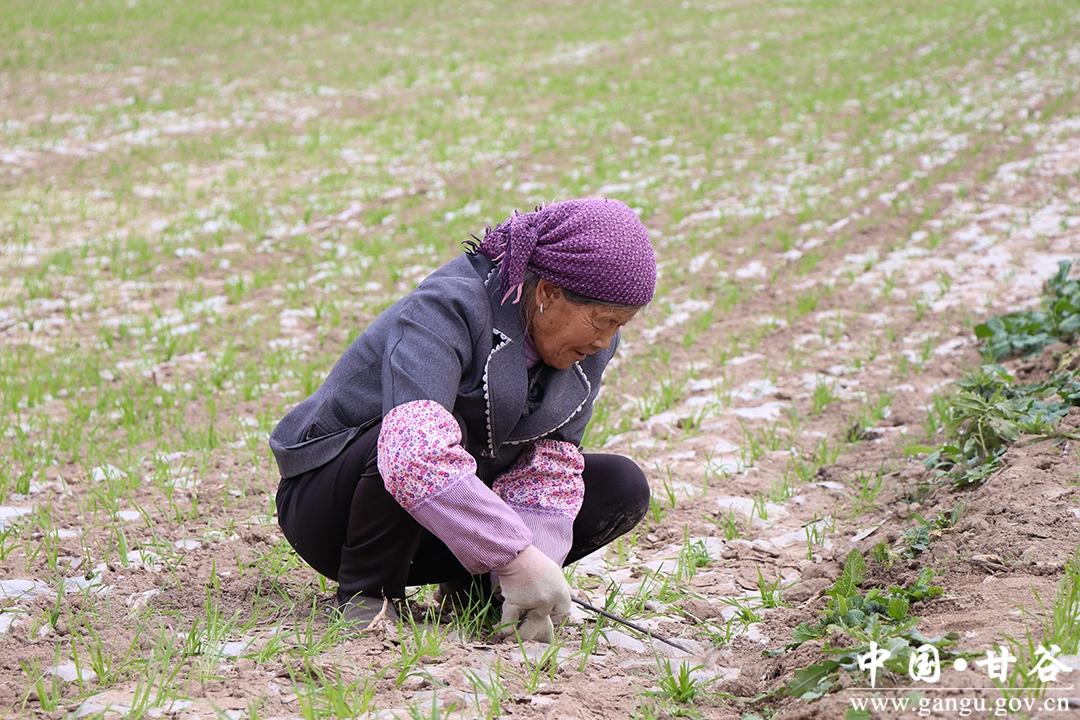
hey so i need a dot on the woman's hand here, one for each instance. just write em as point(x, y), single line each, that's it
point(534, 593)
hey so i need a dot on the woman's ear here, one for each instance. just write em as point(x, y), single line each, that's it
point(547, 292)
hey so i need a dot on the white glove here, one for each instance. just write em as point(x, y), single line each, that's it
point(534, 592)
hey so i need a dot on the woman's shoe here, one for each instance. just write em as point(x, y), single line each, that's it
point(363, 609)
point(465, 594)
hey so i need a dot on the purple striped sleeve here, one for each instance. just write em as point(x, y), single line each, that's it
point(553, 534)
point(430, 474)
point(546, 490)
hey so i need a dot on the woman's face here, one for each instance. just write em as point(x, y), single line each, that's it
point(567, 332)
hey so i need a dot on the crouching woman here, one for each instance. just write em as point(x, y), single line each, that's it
point(445, 442)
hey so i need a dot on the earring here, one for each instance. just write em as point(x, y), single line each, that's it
point(541, 308)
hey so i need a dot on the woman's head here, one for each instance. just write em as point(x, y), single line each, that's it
point(566, 327)
point(588, 266)
point(595, 247)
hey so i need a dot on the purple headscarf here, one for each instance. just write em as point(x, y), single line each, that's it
point(595, 247)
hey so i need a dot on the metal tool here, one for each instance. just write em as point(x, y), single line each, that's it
point(627, 623)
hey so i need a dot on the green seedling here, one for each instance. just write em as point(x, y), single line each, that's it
point(656, 510)
point(883, 555)
point(781, 489)
point(816, 535)
point(822, 396)
point(867, 487)
point(730, 525)
point(692, 557)
point(46, 689)
point(1057, 628)
point(492, 689)
point(434, 712)
point(320, 695)
point(545, 666)
point(769, 591)
point(418, 641)
point(745, 611)
point(590, 640)
point(718, 634)
point(475, 613)
point(669, 491)
point(871, 413)
point(760, 508)
point(681, 686)
point(646, 711)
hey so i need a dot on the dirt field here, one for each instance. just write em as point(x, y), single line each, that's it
point(200, 208)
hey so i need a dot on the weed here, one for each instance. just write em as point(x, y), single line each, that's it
point(990, 412)
point(1028, 331)
point(881, 615)
point(917, 538)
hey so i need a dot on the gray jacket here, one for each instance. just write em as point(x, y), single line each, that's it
point(450, 340)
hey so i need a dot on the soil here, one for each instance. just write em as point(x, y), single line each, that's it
point(999, 240)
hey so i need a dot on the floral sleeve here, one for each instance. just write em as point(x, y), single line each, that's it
point(430, 474)
point(546, 490)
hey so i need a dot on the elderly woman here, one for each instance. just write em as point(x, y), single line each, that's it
point(445, 443)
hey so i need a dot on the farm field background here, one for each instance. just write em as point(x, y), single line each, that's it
point(201, 206)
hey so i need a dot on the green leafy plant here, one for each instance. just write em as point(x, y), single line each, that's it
point(990, 412)
point(1028, 331)
point(917, 538)
point(881, 615)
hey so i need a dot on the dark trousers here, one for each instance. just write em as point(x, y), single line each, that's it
point(342, 521)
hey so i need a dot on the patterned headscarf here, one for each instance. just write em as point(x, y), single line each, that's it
point(594, 247)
